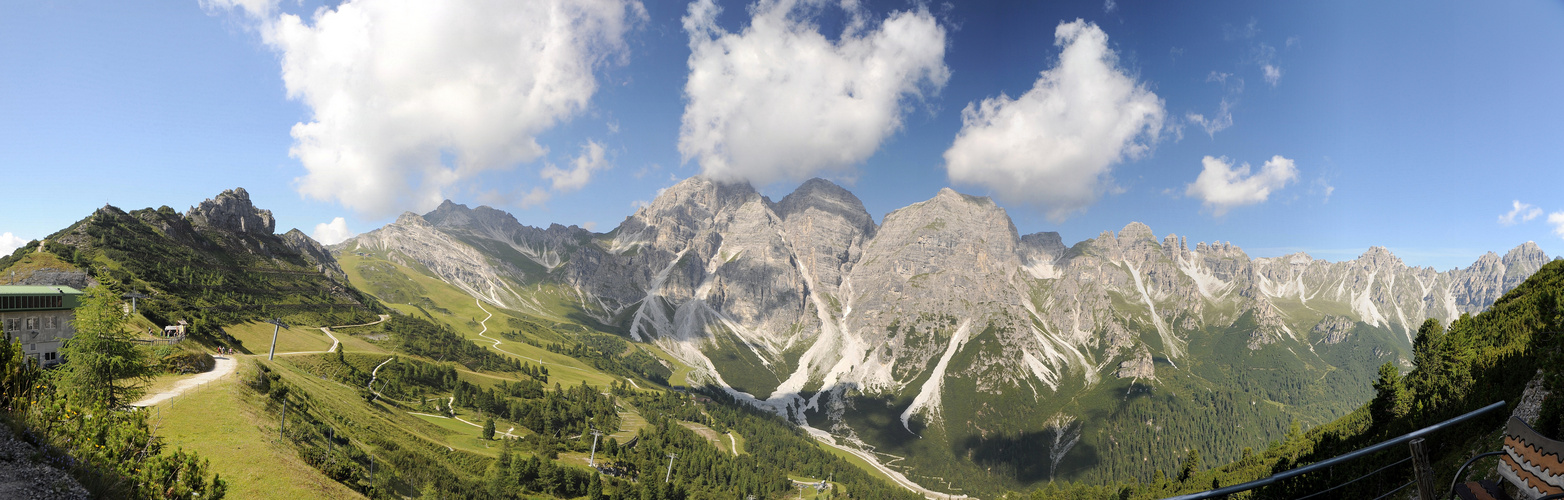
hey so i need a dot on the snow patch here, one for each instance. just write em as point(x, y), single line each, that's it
point(928, 400)
point(1043, 270)
point(1363, 304)
point(1174, 346)
point(1208, 284)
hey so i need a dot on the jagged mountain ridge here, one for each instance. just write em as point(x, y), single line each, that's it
point(774, 272)
point(804, 304)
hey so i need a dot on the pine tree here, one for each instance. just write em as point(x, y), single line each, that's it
point(103, 367)
point(488, 428)
point(595, 488)
point(1191, 465)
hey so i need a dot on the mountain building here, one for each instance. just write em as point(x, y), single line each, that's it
point(40, 318)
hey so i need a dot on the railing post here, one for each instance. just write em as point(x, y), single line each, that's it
point(1422, 470)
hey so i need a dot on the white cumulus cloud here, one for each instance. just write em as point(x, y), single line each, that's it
point(411, 99)
point(1524, 211)
point(331, 233)
point(1055, 146)
point(1557, 220)
point(10, 242)
point(779, 100)
point(591, 160)
point(1221, 186)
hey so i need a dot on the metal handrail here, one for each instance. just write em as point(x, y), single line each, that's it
point(1220, 492)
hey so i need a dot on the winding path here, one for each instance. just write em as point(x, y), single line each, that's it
point(376, 374)
point(497, 343)
point(224, 366)
point(334, 341)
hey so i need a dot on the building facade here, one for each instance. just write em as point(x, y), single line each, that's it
point(39, 317)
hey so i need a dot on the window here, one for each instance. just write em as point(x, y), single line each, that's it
point(48, 356)
point(32, 323)
point(10, 324)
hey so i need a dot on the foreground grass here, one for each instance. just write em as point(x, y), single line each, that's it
point(220, 421)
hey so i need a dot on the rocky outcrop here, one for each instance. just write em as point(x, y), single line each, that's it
point(314, 253)
point(1333, 329)
point(1140, 365)
point(232, 211)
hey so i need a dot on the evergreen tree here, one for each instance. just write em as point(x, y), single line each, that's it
point(1190, 466)
point(595, 488)
point(488, 428)
point(1391, 400)
point(1428, 337)
point(103, 366)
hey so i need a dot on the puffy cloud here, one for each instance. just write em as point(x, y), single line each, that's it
point(1109, 6)
point(581, 169)
point(1221, 186)
point(10, 242)
point(1557, 220)
point(778, 100)
point(411, 99)
point(1055, 146)
point(1525, 211)
point(331, 233)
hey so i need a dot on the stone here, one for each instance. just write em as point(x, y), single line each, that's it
point(232, 211)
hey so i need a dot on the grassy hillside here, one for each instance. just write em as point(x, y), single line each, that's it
point(205, 276)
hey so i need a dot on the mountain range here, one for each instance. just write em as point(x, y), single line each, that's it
point(944, 343)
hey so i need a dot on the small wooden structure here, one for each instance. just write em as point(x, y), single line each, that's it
point(176, 330)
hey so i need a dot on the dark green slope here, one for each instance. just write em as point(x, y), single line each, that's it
point(1475, 361)
point(1220, 400)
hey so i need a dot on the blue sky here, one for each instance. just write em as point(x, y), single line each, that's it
point(1412, 126)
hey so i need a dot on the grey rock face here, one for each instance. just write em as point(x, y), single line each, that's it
point(314, 253)
point(813, 292)
point(1333, 329)
point(1138, 366)
point(231, 211)
point(74, 279)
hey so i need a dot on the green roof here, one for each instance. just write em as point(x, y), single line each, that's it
point(37, 290)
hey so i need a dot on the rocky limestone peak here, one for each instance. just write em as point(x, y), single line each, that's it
point(449, 214)
point(314, 253)
point(1047, 242)
point(827, 197)
point(948, 195)
point(699, 194)
point(1136, 231)
point(1378, 256)
point(412, 219)
point(1521, 262)
point(231, 210)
